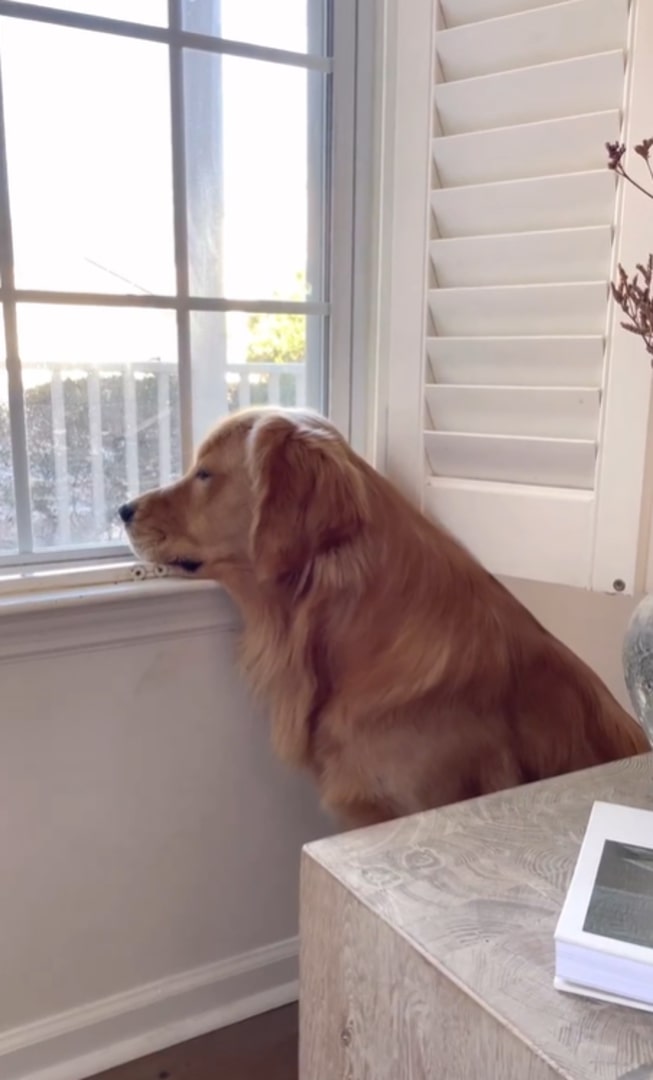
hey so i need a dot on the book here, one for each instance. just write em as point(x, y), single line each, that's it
point(604, 936)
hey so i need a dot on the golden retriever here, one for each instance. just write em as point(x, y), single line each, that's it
point(398, 671)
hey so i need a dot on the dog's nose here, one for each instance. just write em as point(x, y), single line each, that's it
point(127, 511)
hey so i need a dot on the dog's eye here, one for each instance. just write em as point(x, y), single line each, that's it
point(202, 474)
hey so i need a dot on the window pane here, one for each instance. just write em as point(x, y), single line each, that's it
point(254, 205)
point(101, 397)
point(8, 541)
point(153, 12)
point(89, 159)
point(241, 360)
point(279, 24)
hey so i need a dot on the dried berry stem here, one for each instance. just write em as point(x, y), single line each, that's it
point(622, 172)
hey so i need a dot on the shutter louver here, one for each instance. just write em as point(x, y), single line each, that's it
point(522, 212)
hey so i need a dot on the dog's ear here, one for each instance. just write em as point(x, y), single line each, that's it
point(308, 497)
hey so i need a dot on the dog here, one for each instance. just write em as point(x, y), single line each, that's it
point(398, 671)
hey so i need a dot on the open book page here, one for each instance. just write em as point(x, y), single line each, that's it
point(609, 904)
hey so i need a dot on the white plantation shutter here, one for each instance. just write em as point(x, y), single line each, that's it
point(534, 406)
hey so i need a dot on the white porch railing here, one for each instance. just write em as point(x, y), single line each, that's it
point(116, 432)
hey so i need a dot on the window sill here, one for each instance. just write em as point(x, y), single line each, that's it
point(87, 617)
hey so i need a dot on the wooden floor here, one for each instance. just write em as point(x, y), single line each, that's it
point(264, 1048)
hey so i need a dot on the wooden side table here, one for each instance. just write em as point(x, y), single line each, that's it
point(427, 944)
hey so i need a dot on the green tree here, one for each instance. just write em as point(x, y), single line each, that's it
point(279, 338)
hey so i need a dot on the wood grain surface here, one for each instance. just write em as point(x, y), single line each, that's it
point(427, 944)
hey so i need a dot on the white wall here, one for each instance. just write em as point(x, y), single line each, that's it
point(592, 624)
point(145, 831)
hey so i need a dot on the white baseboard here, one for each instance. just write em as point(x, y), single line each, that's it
point(81, 1042)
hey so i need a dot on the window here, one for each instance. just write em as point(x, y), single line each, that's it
point(170, 221)
point(523, 425)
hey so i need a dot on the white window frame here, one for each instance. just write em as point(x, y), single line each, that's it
point(623, 500)
point(346, 162)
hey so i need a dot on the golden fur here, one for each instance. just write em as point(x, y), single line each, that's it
point(398, 671)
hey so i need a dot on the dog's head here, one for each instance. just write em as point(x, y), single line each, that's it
point(269, 489)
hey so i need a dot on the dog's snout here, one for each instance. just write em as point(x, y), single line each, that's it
point(127, 511)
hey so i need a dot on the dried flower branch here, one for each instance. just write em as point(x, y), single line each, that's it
point(616, 153)
point(644, 151)
point(635, 295)
point(636, 301)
